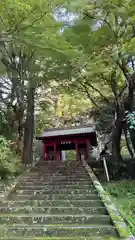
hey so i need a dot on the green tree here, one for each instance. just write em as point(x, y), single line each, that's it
point(31, 38)
point(103, 36)
point(58, 108)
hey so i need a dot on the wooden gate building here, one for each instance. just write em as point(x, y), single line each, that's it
point(81, 139)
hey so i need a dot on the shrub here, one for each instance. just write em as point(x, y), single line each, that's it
point(10, 164)
point(123, 194)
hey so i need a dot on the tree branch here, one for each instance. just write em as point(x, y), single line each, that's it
point(89, 96)
point(21, 21)
point(122, 91)
point(94, 88)
point(125, 72)
point(98, 91)
point(6, 81)
point(31, 25)
point(3, 22)
point(88, 15)
point(110, 26)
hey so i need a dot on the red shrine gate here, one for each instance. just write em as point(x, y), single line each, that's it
point(56, 140)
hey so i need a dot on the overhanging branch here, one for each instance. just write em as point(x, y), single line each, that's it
point(98, 91)
point(125, 72)
point(89, 96)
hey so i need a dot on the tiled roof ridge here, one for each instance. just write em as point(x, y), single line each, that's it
point(70, 128)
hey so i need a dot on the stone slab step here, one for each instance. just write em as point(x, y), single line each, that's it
point(56, 203)
point(62, 175)
point(51, 186)
point(35, 219)
point(59, 175)
point(56, 231)
point(65, 196)
point(59, 170)
point(53, 210)
point(62, 183)
point(36, 174)
point(56, 191)
point(61, 238)
point(58, 179)
point(56, 182)
point(70, 173)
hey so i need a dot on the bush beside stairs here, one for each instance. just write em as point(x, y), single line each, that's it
point(55, 201)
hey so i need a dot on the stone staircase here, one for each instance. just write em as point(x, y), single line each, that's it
point(55, 201)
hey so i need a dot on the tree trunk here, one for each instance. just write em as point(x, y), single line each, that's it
point(29, 129)
point(56, 118)
point(127, 141)
point(132, 137)
point(129, 104)
point(20, 137)
point(116, 139)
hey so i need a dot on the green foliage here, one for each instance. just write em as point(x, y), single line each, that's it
point(103, 117)
point(124, 150)
point(9, 162)
point(122, 189)
point(123, 193)
point(70, 155)
point(85, 47)
point(58, 108)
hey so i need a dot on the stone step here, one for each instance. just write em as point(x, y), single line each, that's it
point(63, 172)
point(70, 171)
point(74, 176)
point(35, 219)
point(77, 173)
point(53, 210)
point(58, 170)
point(52, 186)
point(55, 203)
point(70, 178)
point(60, 179)
point(55, 191)
point(35, 174)
point(60, 238)
point(58, 183)
point(52, 164)
point(36, 196)
point(57, 231)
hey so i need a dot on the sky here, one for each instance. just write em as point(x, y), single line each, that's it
point(62, 14)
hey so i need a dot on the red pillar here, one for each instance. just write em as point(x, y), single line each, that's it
point(59, 155)
point(55, 153)
point(88, 150)
point(45, 152)
point(77, 152)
